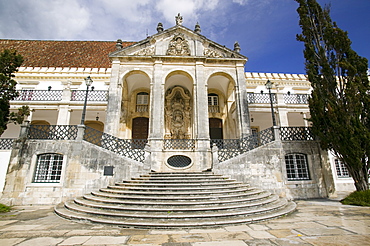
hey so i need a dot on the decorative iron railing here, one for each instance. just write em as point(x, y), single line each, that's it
point(260, 98)
point(296, 98)
point(183, 144)
point(97, 96)
point(130, 148)
point(39, 95)
point(53, 132)
point(6, 143)
point(296, 134)
point(230, 148)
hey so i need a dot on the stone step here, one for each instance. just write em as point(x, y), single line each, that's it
point(93, 208)
point(179, 223)
point(107, 203)
point(190, 193)
point(180, 188)
point(251, 195)
point(176, 184)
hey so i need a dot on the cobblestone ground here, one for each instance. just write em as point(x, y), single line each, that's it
point(316, 222)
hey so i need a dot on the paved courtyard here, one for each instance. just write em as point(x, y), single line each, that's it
point(316, 222)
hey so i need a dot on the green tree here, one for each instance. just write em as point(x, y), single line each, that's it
point(9, 64)
point(340, 100)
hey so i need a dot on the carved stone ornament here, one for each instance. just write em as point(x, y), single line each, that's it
point(177, 113)
point(178, 46)
point(212, 53)
point(148, 51)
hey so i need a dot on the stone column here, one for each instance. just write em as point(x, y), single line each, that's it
point(201, 121)
point(64, 115)
point(242, 101)
point(283, 117)
point(114, 101)
point(156, 121)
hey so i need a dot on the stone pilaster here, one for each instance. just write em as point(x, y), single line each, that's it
point(242, 101)
point(201, 107)
point(114, 101)
point(156, 121)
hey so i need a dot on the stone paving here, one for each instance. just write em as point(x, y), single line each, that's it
point(316, 222)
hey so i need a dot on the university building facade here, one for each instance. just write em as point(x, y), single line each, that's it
point(173, 102)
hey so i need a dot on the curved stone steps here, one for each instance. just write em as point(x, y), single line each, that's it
point(166, 224)
point(165, 207)
point(177, 202)
point(93, 208)
point(182, 200)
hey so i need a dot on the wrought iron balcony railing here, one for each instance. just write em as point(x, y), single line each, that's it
point(53, 132)
point(296, 98)
point(96, 95)
point(183, 144)
point(254, 98)
point(296, 134)
point(130, 148)
point(6, 143)
point(39, 95)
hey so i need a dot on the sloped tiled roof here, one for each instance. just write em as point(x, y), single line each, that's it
point(43, 53)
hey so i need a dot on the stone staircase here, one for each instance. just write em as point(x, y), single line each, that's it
point(176, 200)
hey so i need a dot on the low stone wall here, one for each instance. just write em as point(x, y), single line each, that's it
point(83, 167)
point(264, 167)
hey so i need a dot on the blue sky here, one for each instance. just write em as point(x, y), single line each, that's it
point(265, 29)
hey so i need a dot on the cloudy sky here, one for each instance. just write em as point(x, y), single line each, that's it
point(265, 29)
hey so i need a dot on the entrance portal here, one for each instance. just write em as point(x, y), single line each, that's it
point(140, 127)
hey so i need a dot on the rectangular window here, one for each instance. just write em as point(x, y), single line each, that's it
point(48, 168)
point(142, 99)
point(342, 171)
point(297, 167)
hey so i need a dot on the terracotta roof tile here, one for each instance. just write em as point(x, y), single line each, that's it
point(42, 53)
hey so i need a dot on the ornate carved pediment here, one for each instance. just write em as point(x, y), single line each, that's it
point(148, 51)
point(178, 46)
point(212, 53)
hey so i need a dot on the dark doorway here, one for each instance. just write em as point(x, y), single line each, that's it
point(215, 128)
point(140, 127)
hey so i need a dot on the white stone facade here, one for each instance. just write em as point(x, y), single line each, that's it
point(177, 90)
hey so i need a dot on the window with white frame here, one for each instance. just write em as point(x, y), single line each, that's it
point(297, 167)
point(142, 101)
point(342, 171)
point(212, 99)
point(48, 168)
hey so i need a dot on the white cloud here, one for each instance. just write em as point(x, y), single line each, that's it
point(58, 19)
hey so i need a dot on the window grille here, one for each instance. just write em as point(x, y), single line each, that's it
point(342, 171)
point(48, 168)
point(297, 167)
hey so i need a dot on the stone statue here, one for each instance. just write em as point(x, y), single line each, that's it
point(178, 19)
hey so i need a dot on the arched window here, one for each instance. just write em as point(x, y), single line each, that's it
point(297, 167)
point(213, 103)
point(48, 168)
point(142, 101)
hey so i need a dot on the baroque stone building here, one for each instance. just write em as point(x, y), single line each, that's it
point(175, 101)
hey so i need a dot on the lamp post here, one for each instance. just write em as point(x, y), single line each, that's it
point(88, 82)
point(269, 86)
